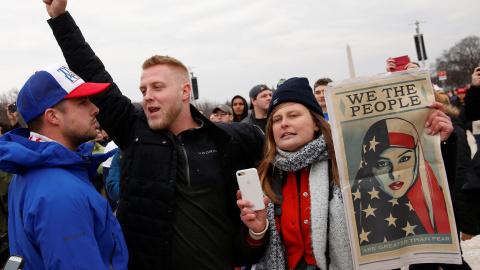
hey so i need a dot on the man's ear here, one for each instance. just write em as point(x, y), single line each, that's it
point(231, 117)
point(252, 101)
point(186, 89)
point(52, 116)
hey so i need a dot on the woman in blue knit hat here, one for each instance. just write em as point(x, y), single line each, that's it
point(299, 174)
point(305, 216)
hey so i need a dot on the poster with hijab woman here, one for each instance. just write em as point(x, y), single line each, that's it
point(389, 137)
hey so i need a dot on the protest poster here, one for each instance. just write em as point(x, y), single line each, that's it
point(392, 175)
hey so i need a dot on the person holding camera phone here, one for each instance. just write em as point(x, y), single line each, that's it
point(11, 114)
point(392, 65)
point(178, 172)
point(5, 179)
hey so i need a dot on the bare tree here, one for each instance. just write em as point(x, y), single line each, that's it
point(459, 62)
point(6, 98)
point(9, 96)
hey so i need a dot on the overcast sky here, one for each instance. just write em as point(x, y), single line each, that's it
point(233, 45)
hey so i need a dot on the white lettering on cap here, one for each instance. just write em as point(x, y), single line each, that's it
point(65, 77)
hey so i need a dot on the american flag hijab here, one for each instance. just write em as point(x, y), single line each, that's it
point(424, 195)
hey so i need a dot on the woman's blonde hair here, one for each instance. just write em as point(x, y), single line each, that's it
point(265, 169)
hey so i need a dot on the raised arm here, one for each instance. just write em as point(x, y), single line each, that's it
point(55, 7)
point(12, 117)
point(116, 115)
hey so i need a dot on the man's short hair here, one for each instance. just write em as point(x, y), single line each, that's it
point(322, 81)
point(5, 127)
point(257, 89)
point(168, 61)
point(36, 124)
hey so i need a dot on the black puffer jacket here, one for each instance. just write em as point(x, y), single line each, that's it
point(149, 165)
point(472, 99)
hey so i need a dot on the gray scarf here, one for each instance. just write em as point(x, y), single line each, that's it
point(324, 212)
point(314, 151)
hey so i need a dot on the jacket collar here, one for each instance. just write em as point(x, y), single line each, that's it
point(222, 137)
point(18, 154)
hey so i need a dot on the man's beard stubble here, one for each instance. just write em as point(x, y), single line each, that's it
point(171, 114)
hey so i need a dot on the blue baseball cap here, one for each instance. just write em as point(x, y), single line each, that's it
point(51, 85)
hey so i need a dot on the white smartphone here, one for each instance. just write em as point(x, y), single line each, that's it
point(14, 262)
point(250, 187)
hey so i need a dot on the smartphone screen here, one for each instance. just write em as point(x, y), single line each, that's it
point(250, 187)
point(14, 262)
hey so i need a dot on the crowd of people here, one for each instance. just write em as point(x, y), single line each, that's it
point(96, 182)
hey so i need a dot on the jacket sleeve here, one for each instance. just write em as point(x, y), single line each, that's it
point(245, 152)
point(248, 255)
point(116, 111)
point(113, 178)
point(449, 156)
point(17, 125)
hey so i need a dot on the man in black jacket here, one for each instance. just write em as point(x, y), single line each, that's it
point(472, 187)
point(178, 186)
point(472, 110)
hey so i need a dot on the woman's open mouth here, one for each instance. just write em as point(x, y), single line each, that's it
point(396, 185)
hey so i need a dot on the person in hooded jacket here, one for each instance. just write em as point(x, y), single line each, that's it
point(240, 108)
point(57, 220)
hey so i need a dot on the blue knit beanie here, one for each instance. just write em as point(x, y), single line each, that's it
point(295, 90)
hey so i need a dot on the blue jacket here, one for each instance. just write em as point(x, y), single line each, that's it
point(57, 220)
point(113, 178)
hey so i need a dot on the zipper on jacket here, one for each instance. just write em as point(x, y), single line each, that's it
point(113, 251)
point(187, 166)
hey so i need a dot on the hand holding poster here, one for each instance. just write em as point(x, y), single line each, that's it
point(392, 174)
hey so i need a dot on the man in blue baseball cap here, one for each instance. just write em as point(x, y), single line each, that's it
point(57, 220)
